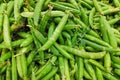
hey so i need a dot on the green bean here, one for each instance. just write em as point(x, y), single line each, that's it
point(99, 74)
point(90, 70)
point(117, 71)
point(10, 7)
point(83, 54)
point(56, 33)
point(37, 11)
point(97, 64)
point(107, 62)
point(92, 13)
point(109, 76)
point(6, 32)
point(14, 68)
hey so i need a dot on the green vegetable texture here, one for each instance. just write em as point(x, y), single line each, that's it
point(59, 39)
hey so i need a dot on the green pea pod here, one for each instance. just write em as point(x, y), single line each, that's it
point(111, 35)
point(5, 56)
point(67, 74)
point(10, 7)
point(45, 70)
point(115, 59)
point(115, 65)
point(14, 68)
point(27, 41)
point(97, 64)
point(23, 62)
point(109, 76)
point(103, 30)
point(24, 34)
point(97, 6)
point(107, 62)
point(8, 73)
point(44, 21)
point(56, 33)
point(90, 70)
point(63, 52)
point(85, 4)
point(86, 75)
point(16, 11)
point(62, 67)
point(57, 77)
point(6, 32)
point(94, 39)
point(84, 16)
point(84, 54)
point(31, 57)
point(99, 74)
point(50, 74)
point(80, 68)
point(19, 66)
point(117, 71)
point(3, 7)
point(91, 15)
point(62, 7)
point(37, 11)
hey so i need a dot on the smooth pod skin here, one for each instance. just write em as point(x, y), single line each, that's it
point(37, 11)
point(56, 33)
point(6, 32)
point(99, 74)
point(83, 53)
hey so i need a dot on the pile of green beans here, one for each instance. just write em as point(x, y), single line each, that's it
point(59, 39)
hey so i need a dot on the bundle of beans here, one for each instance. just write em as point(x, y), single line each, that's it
point(59, 40)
